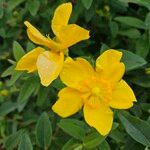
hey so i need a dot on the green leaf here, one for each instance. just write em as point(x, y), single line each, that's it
point(92, 140)
point(13, 140)
point(131, 21)
point(131, 33)
point(131, 60)
point(18, 51)
point(73, 144)
point(14, 77)
point(2, 9)
point(27, 89)
point(13, 4)
point(33, 6)
point(44, 131)
point(114, 28)
point(42, 95)
point(104, 146)
point(8, 71)
point(141, 80)
point(7, 107)
point(25, 143)
point(144, 3)
point(136, 128)
point(87, 3)
point(147, 21)
point(142, 47)
point(73, 127)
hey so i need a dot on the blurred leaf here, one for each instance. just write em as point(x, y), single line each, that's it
point(27, 89)
point(14, 77)
point(141, 80)
point(33, 6)
point(136, 128)
point(8, 71)
point(131, 21)
point(131, 33)
point(131, 60)
point(25, 143)
point(147, 21)
point(92, 140)
point(17, 50)
point(142, 47)
point(145, 3)
point(1, 10)
point(13, 140)
point(7, 107)
point(104, 146)
point(13, 4)
point(44, 131)
point(87, 3)
point(114, 28)
point(42, 95)
point(73, 127)
point(72, 144)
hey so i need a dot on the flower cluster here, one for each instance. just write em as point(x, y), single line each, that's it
point(96, 90)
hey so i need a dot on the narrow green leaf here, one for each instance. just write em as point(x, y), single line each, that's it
point(92, 140)
point(145, 3)
point(142, 47)
point(114, 28)
point(131, 21)
point(14, 77)
point(131, 33)
point(18, 51)
point(87, 3)
point(147, 21)
point(27, 89)
point(25, 143)
point(138, 129)
point(8, 71)
point(33, 6)
point(73, 127)
point(42, 95)
point(131, 60)
point(13, 140)
point(44, 131)
point(13, 4)
point(104, 146)
point(7, 107)
point(73, 144)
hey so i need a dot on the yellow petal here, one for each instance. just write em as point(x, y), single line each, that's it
point(28, 61)
point(61, 17)
point(72, 34)
point(74, 72)
point(35, 36)
point(108, 64)
point(100, 117)
point(69, 102)
point(49, 65)
point(122, 96)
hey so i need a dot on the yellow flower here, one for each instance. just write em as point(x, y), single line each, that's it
point(49, 63)
point(94, 90)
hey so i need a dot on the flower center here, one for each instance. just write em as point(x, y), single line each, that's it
point(96, 91)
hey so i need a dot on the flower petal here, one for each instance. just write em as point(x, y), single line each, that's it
point(72, 34)
point(61, 17)
point(28, 61)
point(100, 117)
point(35, 36)
point(69, 102)
point(74, 72)
point(109, 66)
point(49, 65)
point(123, 96)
